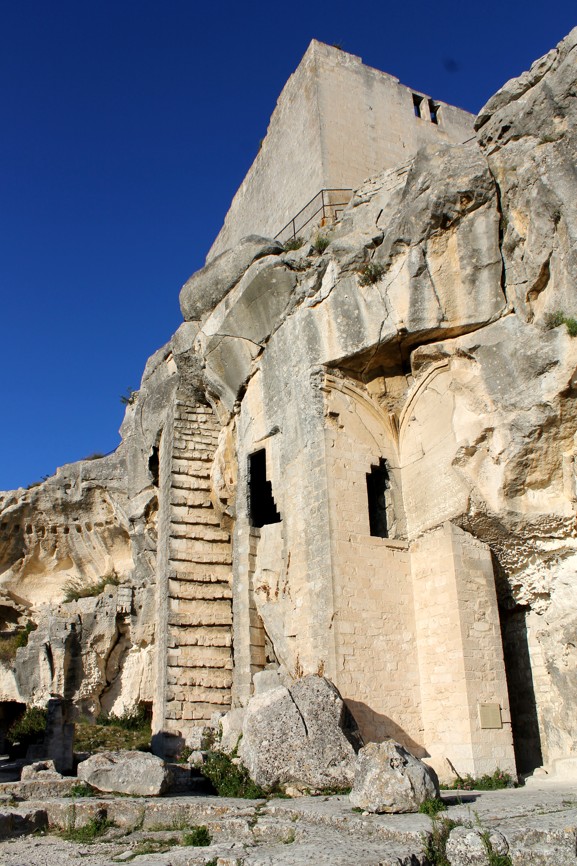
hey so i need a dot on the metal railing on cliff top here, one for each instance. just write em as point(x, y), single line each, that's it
point(328, 204)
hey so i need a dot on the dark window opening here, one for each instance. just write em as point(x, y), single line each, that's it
point(417, 100)
point(377, 485)
point(434, 111)
point(261, 505)
point(154, 465)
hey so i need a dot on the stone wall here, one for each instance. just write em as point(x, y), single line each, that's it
point(336, 122)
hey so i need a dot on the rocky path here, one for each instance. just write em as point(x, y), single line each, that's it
point(539, 824)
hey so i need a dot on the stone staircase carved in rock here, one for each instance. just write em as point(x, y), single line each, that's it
point(194, 579)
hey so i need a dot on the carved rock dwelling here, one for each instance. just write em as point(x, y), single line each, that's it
point(354, 458)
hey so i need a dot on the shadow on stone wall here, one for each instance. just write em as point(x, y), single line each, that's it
point(376, 727)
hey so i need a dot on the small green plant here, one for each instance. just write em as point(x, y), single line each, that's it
point(320, 244)
point(129, 397)
point(289, 838)
point(370, 273)
point(436, 842)
point(184, 755)
point(197, 837)
point(130, 720)
point(357, 809)
point(81, 789)
point(213, 862)
point(75, 589)
point(29, 728)
point(554, 320)
point(94, 827)
point(488, 782)
point(230, 779)
point(10, 643)
point(493, 858)
point(294, 243)
point(432, 807)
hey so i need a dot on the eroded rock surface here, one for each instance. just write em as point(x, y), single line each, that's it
point(389, 779)
point(302, 737)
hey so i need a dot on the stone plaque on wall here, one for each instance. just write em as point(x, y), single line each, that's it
point(490, 716)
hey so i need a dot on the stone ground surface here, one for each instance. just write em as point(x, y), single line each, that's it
point(539, 822)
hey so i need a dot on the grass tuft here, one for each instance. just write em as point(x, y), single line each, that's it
point(197, 837)
point(370, 273)
point(493, 782)
point(75, 589)
point(9, 644)
point(432, 807)
point(320, 244)
point(230, 779)
point(294, 243)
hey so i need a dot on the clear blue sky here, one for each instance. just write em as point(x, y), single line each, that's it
point(126, 129)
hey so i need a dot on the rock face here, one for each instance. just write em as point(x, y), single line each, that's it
point(470, 846)
point(389, 779)
point(136, 773)
point(303, 737)
point(357, 461)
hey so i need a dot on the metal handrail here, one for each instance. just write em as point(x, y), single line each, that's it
point(325, 208)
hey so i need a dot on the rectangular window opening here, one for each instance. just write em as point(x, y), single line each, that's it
point(417, 100)
point(434, 111)
point(261, 505)
point(377, 485)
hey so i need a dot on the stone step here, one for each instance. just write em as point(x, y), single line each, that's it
point(195, 468)
point(184, 547)
point(201, 573)
point(197, 712)
point(200, 656)
point(198, 694)
point(220, 614)
point(215, 557)
point(195, 532)
point(178, 589)
point(182, 481)
point(204, 635)
point(192, 447)
point(190, 498)
point(219, 678)
point(190, 515)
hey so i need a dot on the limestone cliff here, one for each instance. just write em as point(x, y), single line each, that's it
point(444, 361)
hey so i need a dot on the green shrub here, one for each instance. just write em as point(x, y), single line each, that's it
point(29, 728)
point(436, 842)
point(432, 807)
point(130, 720)
point(320, 244)
point(12, 642)
point(129, 397)
point(129, 731)
point(370, 273)
point(493, 858)
point(93, 828)
point(554, 320)
point(229, 779)
point(294, 243)
point(197, 837)
point(493, 782)
point(75, 589)
point(81, 789)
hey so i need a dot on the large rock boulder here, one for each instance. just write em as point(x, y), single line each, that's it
point(135, 773)
point(390, 779)
point(207, 287)
point(302, 736)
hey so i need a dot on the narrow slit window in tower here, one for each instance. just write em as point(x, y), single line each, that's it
point(417, 100)
point(377, 485)
point(261, 504)
point(434, 111)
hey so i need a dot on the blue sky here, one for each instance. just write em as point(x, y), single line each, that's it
point(126, 130)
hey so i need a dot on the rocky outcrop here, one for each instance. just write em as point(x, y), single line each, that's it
point(302, 737)
point(136, 773)
point(389, 779)
point(419, 344)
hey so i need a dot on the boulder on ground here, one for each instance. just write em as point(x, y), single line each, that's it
point(40, 771)
point(303, 736)
point(136, 773)
point(390, 779)
point(472, 846)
